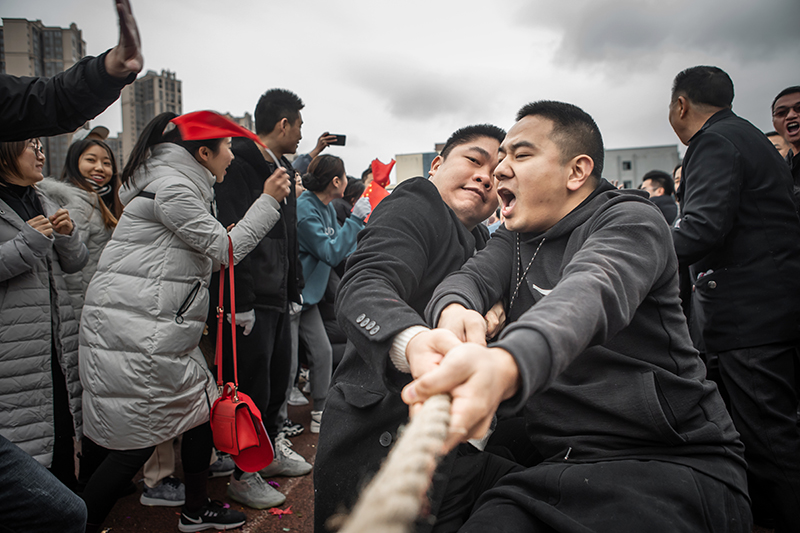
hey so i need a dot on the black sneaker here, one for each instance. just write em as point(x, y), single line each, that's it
point(212, 515)
point(290, 429)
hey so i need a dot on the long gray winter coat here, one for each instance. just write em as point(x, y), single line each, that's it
point(34, 303)
point(145, 380)
point(84, 210)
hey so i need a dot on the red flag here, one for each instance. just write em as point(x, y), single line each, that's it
point(380, 172)
point(375, 193)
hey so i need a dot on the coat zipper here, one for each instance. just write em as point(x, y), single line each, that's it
point(187, 302)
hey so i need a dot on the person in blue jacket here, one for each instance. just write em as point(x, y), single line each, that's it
point(323, 244)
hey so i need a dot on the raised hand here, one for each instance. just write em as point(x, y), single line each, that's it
point(278, 184)
point(126, 57)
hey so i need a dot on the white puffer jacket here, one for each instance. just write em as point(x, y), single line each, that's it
point(34, 303)
point(145, 380)
point(84, 210)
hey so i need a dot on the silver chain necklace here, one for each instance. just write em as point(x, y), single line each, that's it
point(521, 278)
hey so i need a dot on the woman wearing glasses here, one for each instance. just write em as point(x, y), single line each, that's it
point(40, 386)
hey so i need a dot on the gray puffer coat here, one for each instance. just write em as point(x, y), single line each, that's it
point(84, 210)
point(145, 380)
point(33, 304)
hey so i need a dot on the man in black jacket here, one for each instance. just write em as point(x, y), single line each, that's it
point(596, 351)
point(267, 282)
point(41, 107)
point(740, 235)
point(416, 236)
point(660, 186)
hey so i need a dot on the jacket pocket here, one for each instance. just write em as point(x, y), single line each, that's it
point(187, 302)
point(659, 409)
point(358, 396)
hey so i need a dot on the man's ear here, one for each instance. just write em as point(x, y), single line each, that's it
point(435, 164)
point(683, 106)
point(581, 168)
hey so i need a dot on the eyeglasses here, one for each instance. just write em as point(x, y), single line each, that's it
point(783, 111)
point(38, 148)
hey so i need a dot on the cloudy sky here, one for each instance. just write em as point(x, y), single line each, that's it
point(397, 77)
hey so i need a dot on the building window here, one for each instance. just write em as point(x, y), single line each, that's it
point(626, 165)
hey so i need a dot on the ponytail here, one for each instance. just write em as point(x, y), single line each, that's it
point(321, 172)
point(152, 135)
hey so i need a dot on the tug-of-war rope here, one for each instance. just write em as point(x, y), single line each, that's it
point(393, 499)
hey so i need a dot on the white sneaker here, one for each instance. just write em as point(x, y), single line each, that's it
point(254, 492)
point(297, 398)
point(287, 462)
point(316, 420)
point(307, 387)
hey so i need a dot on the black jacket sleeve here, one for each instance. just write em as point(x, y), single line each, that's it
point(33, 107)
point(234, 197)
point(383, 278)
point(713, 182)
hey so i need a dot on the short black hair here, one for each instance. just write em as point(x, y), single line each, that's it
point(773, 134)
point(661, 179)
point(704, 85)
point(789, 90)
point(574, 131)
point(275, 105)
point(470, 133)
point(367, 172)
point(354, 190)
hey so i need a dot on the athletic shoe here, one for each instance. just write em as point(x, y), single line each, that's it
point(169, 493)
point(307, 387)
point(316, 420)
point(212, 515)
point(254, 492)
point(290, 429)
point(223, 466)
point(287, 462)
point(297, 398)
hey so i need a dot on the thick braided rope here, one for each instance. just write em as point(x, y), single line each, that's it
point(392, 500)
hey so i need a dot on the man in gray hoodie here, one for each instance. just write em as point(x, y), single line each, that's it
point(596, 351)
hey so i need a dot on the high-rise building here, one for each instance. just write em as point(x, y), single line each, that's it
point(29, 48)
point(148, 96)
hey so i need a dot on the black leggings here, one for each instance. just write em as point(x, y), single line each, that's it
point(119, 467)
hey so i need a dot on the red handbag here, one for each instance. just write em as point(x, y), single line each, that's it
point(235, 419)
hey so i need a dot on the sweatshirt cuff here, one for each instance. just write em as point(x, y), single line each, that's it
point(434, 312)
point(533, 356)
point(397, 353)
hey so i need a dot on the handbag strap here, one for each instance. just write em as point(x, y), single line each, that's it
point(221, 316)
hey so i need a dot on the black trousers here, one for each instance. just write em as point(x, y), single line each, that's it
point(119, 467)
point(762, 388)
point(621, 496)
point(264, 362)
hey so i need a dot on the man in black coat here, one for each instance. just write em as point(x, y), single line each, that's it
point(740, 235)
point(660, 186)
point(416, 236)
point(596, 350)
point(267, 281)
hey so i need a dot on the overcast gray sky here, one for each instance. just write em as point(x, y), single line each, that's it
point(397, 77)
